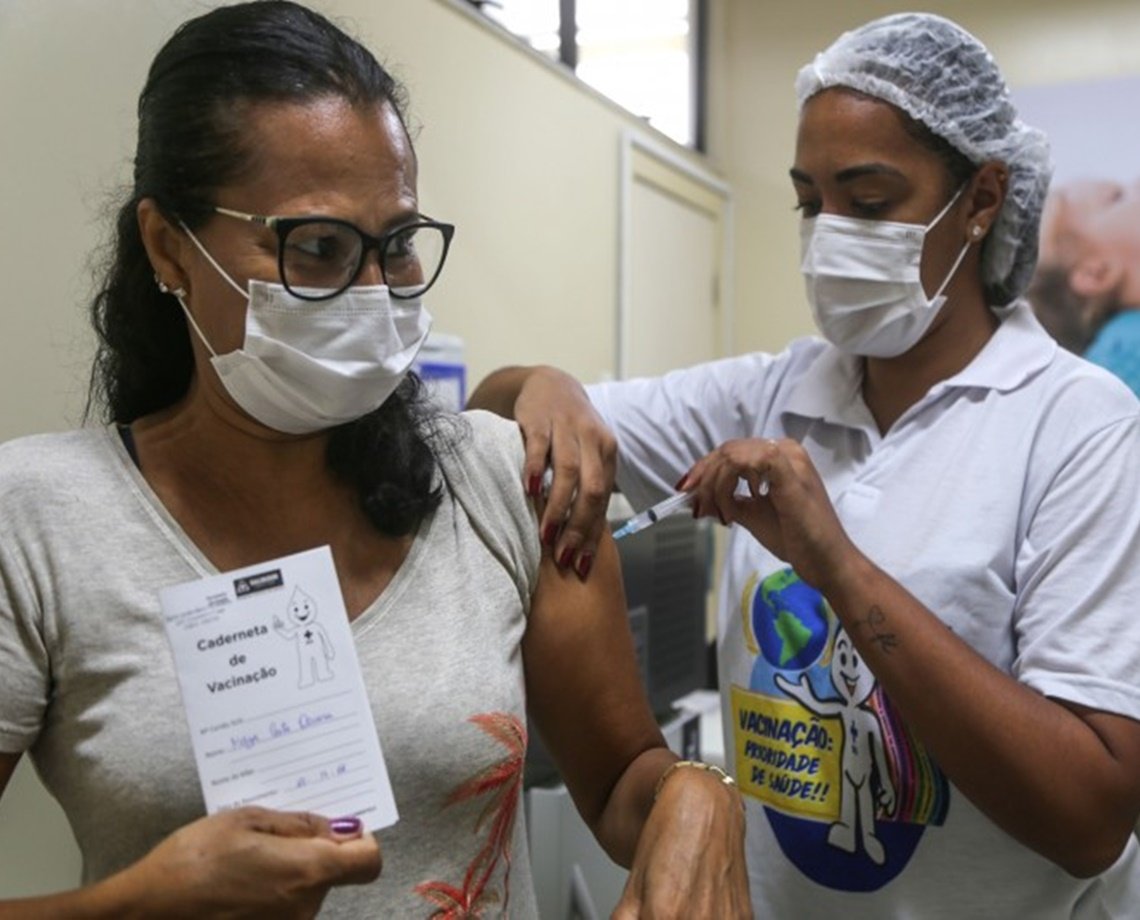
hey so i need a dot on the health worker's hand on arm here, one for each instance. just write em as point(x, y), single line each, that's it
point(245, 863)
point(562, 431)
point(1062, 779)
point(685, 850)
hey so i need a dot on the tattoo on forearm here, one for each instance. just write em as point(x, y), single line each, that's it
point(875, 623)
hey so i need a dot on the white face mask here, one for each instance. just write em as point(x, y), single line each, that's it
point(312, 365)
point(864, 282)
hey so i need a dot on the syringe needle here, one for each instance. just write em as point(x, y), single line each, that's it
point(650, 516)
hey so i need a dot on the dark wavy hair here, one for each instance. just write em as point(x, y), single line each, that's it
point(191, 141)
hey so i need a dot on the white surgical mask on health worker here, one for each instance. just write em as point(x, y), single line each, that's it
point(308, 366)
point(864, 284)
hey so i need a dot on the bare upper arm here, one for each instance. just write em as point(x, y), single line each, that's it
point(7, 768)
point(583, 688)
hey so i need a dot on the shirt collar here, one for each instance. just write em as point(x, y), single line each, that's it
point(1019, 349)
point(831, 389)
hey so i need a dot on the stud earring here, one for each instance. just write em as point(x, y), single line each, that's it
point(976, 232)
point(165, 288)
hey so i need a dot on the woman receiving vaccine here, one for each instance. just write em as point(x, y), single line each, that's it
point(928, 647)
point(257, 319)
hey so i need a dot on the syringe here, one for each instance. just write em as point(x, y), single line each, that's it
point(669, 506)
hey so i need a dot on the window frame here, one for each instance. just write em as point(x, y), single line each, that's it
point(698, 71)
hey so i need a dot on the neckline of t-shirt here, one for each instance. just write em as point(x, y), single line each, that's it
point(176, 537)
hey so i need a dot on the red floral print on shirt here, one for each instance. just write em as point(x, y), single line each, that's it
point(502, 783)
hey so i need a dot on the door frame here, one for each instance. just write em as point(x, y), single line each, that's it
point(646, 159)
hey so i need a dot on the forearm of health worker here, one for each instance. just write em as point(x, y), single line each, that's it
point(561, 430)
point(683, 844)
point(249, 862)
point(1062, 779)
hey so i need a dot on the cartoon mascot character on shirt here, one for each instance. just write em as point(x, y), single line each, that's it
point(865, 774)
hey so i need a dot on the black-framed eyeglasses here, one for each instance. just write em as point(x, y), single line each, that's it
point(319, 257)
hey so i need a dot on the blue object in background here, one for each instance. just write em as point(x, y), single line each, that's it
point(1117, 348)
point(441, 366)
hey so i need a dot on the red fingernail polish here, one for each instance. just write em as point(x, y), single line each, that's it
point(534, 486)
point(550, 534)
point(584, 562)
point(567, 557)
point(680, 486)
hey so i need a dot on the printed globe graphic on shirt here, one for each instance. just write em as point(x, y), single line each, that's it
point(847, 790)
point(789, 620)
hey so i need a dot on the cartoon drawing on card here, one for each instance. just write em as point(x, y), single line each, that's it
point(314, 650)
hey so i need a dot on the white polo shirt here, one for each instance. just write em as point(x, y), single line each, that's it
point(1007, 500)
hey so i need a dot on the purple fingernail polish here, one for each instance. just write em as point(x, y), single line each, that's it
point(345, 826)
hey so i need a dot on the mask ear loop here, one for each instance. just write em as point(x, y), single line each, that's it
point(180, 294)
point(953, 269)
point(209, 258)
point(949, 204)
point(962, 253)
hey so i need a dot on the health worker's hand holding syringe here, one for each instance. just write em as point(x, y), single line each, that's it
point(663, 509)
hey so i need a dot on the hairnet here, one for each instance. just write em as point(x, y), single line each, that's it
point(943, 77)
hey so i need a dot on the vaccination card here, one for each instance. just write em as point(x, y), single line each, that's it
point(273, 694)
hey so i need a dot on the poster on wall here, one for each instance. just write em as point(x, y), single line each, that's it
point(1086, 290)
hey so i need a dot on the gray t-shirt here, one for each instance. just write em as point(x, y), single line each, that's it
point(87, 681)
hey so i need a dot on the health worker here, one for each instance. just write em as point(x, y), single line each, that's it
point(929, 652)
